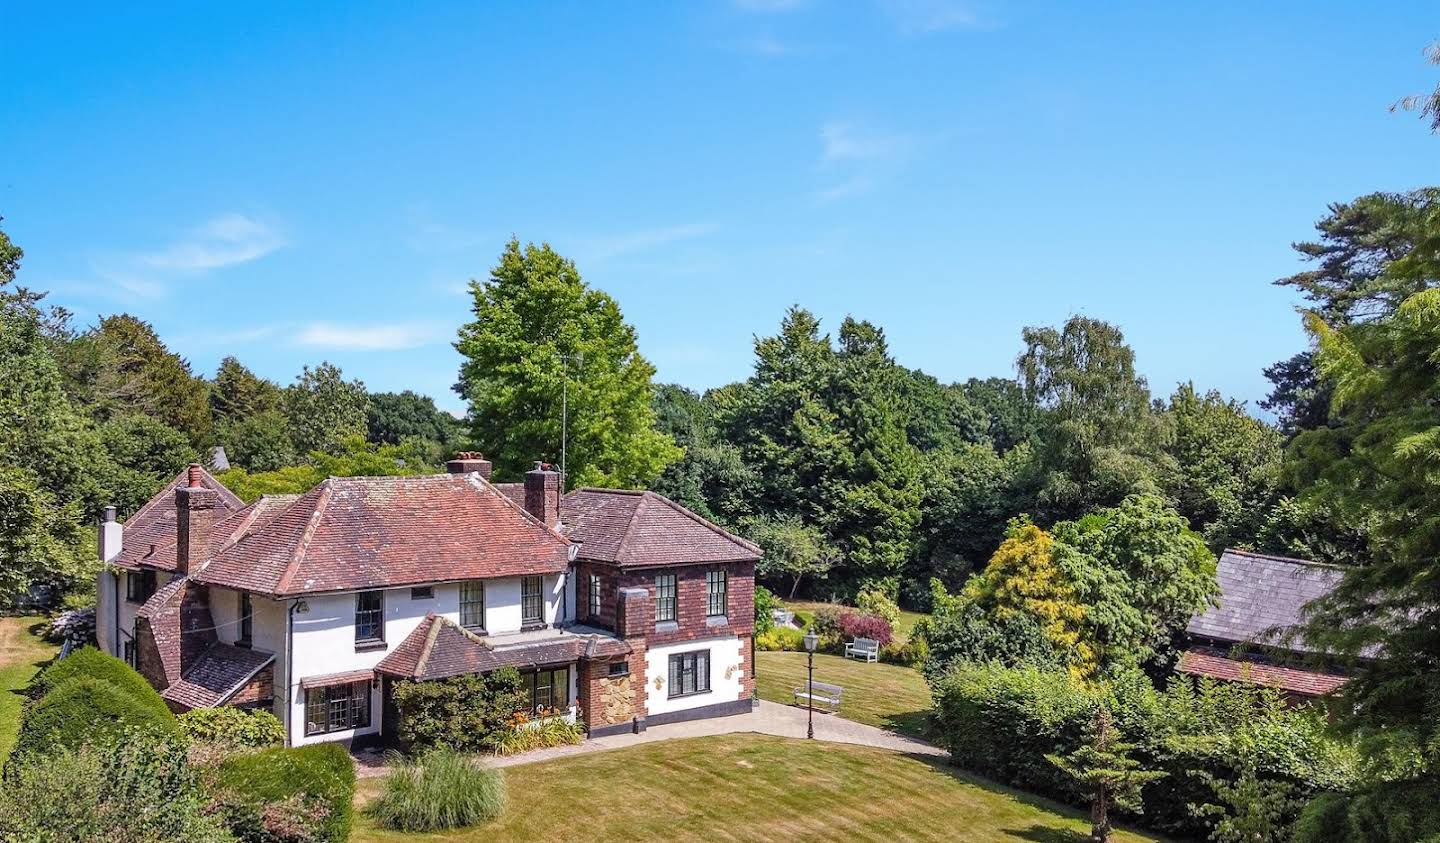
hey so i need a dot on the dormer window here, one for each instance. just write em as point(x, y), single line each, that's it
point(139, 586)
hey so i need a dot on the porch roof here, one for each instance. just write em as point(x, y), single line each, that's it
point(440, 648)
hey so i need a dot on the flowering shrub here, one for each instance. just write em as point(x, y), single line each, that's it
point(874, 601)
point(866, 626)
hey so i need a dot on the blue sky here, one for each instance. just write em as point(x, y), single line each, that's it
point(295, 184)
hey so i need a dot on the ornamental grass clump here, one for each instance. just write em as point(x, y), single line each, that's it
point(441, 789)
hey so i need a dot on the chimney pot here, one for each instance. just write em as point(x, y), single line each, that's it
point(194, 475)
point(466, 462)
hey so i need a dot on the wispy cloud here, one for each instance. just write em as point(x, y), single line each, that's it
point(922, 17)
point(770, 46)
point(854, 158)
point(628, 243)
point(227, 240)
point(842, 141)
point(370, 337)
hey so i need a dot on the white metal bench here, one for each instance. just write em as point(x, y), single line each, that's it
point(782, 617)
point(819, 695)
point(863, 648)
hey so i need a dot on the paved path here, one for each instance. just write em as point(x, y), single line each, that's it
point(768, 719)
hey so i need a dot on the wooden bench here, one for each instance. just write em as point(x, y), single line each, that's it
point(863, 648)
point(819, 695)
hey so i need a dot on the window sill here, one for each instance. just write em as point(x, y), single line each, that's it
point(364, 646)
point(691, 694)
point(531, 626)
point(717, 620)
point(667, 626)
point(245, 644)
point(476, 630)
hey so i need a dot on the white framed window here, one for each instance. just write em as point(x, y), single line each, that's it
point(472, 605)
point(337, 707)
point(716, 589)
point(689, 673)
point(664, 597)
point(532, 600)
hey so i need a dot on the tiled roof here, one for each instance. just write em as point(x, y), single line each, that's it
point(379, 532)
point(331, 679)
point(514, 491)
point(150, 532)
point(217, 674)
point(439, 648)
point(1260, 594)
point(1292, 679)
point(642, 529)
point(162, 610)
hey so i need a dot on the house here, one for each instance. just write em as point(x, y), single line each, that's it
point(623, 608)
point(1243, 638)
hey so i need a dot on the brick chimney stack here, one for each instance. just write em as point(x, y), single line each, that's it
point(467, 461)
point(197, 508)
point(542, 493)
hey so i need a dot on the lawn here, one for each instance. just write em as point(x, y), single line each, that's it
point(753, 787)
point(885, 695)
point(902, 627)
point(21, 654)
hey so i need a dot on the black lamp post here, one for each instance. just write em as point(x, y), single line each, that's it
point(811, 641)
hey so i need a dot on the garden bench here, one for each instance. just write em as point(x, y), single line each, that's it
point(819, 695)
point(782, 617)
point(863, 648)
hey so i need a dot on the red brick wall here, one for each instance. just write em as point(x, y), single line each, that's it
point(690, 609)
point(147, 655)
point(261, 688)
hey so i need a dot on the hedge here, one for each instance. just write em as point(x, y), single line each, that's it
point(90, 663)
point(82, 709)
point(1001, 722)
point(1392, 812)
point(233, 728)
point(305, 793)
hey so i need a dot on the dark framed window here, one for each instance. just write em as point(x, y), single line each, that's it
point(594, 595)
point(337, 707)
point(247, 620)
point(370, 617)
point(547, 689)
point(716, 585)
point(128, 650)
point(532, 602)
point(664, 597)
point(689, 673)
point(620, 668)
point(472, 605)
point(139, 586)
point(422, 592)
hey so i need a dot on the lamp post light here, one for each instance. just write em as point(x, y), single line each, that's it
point(811, 641)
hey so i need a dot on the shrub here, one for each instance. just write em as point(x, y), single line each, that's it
point(874, 601)
point(299, 795)
point(233, 728)
point(765, 605)
point(90, 663)
point(83, 709)
point(524, 735)
point(1002, 721)
point(866, 626)
point(137, 787)
point(442, 789)
point(965, 633)
point(826, 625)
point(780, 638)
point(468, 713)
point(1387, 812)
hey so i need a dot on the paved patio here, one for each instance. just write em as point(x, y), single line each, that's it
point(767, 719)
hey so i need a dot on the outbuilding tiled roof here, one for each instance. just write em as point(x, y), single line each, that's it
point(643, 529)
point(150, 532)
point(1260, 596)
point(1199, 662)
point(439, 648)
point(162, 610)
point(380, 532)
point(216, 675)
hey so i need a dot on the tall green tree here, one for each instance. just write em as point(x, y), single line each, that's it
point(395, 416)
point(324, 409)
point(538, 329)
point(238, 393)
point(146, 453)
point(1225, 468)
point(711, 478)
point(970, 494)
point(1011, 417)
point(121, 366)
point(1100, 440)
point(1104, 771)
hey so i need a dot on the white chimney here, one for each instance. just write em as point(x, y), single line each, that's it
point(112, 535)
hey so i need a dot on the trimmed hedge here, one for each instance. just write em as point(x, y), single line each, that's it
point(1001, 722)
point(281, 795)
point(82, 709)
point(233, 728)
point(90, 663)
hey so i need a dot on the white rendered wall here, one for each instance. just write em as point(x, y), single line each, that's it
point(105, 605)
point(325, 636)
point(726, 672)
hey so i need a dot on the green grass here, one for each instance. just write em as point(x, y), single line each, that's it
point(22, 652)
point(752, 787)
point(885, 695)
